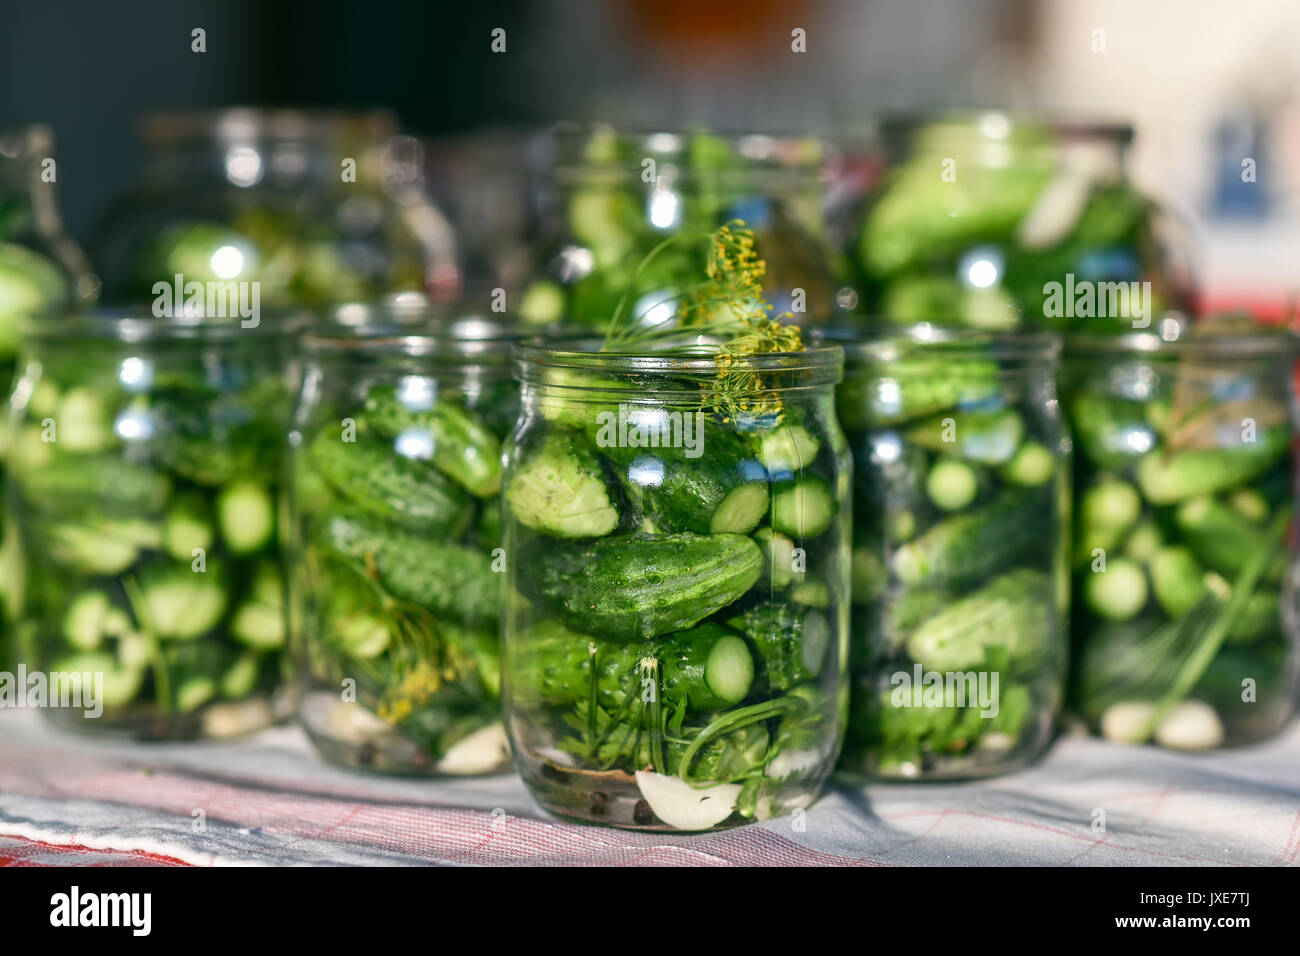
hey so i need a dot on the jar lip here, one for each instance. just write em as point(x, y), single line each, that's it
point(792, 156)
point(246, 123)
point(139, 324)
point(1008, 122)
point(408, 324)
point(867, 339)
point(1263, 342)
point(534, 356)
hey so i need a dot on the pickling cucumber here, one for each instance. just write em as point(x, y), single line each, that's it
point(722, 491)
point(990, 438)
point(104, 485)
point(708, 666)
point(459, 445)
point(630, 587)
point(378, 480)
point(972, 544)
point(1170, 477)
point(1014, 610)
point(1218, 535)
point(1177, 579)
point(791, 642)
point(446, 578)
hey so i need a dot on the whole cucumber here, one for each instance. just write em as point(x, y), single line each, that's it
point(631, 587)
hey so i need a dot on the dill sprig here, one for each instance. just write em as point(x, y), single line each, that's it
point(724, 315)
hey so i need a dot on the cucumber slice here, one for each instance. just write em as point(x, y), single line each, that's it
point(187, 527)
point(542, 303)
point(362, 636)
point(729, 669)
point(1032, 465)
point(246, 516)
point(1119, 592)
point(816, 639)
point(89, 551)
point(951, 484)
point(787, 448)
point(811, 594)
point(182, 604)
point(1144, 542)
point(119, 687)
point(259, 625)
point(1250, 504)
point(90, 618)
point(778, 557)
point(194, 692)
point(741, 510)
point(803, 509)
point(240, 679)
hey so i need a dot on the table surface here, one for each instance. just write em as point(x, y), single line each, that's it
point(269, 800)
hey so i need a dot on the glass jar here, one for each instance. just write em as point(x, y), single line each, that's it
point(147, 458)
point(396, 454)
point(988, 219)
point(41, 271)
point(1184, 564)
point(677, 603)
point(485, 183)
point(614, 197)
point(316, 208)
point(960, 583)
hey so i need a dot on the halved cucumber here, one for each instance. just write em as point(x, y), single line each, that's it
point(741, 510)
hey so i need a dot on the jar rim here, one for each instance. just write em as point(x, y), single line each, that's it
point(779, 156)
point(1070, 127)
point(412, 326)
point(533, 357)
point(247, 123)
point(878, 340)
point(1262, 342)
point(140, 324)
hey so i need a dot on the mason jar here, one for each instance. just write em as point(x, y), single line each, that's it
point(41, 271)
point(1184, 562)
point(396, 462)
point(989, 219)
point(613, 197)
point(677, 584)
point(313, 208)
point(147, 459)
point(960, 583)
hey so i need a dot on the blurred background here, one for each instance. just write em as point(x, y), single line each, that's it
point(1204, 82)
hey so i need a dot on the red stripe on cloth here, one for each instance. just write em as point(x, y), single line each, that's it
point(20, 851)
point(431, 833)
